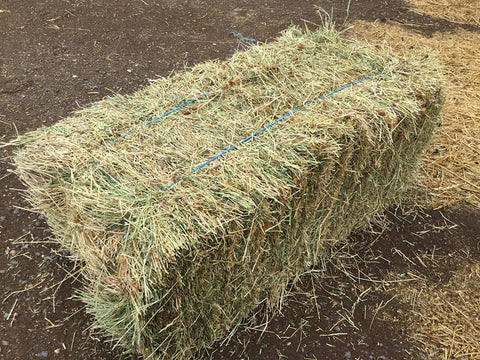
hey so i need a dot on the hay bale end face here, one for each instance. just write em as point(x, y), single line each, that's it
point(171, 270)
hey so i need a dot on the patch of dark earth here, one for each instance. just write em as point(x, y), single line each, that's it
point(57, 56)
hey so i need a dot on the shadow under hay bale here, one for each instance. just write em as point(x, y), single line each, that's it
point(172, 270)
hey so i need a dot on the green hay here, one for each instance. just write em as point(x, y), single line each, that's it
point(171, 271)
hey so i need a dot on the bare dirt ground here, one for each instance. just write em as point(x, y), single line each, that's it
point(58, 55)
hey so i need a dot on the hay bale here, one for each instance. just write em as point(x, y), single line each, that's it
point(172, 270)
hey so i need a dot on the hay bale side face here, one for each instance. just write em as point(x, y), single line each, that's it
point(171, 271)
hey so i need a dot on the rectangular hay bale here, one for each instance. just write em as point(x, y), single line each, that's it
point(171, 270)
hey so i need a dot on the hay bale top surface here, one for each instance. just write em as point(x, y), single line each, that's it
point(117, 192)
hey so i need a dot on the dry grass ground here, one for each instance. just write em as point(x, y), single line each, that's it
point(444, 318)
point(462, 11)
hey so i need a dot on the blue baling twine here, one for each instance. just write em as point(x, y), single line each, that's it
point(163, 115)
point(243, 38)
point(234, 33)
point(250, 137)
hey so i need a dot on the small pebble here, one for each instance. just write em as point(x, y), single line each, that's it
point(4, 342)
point(42, 354)
point(13, 262)
point(348, 355)
point(337, 328)
point(16, 211)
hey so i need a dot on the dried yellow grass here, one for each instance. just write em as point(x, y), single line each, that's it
point(462, 11)
point(446, 318)
point(450, 171)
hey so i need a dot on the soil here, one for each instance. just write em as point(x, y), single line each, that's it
point(59, 55)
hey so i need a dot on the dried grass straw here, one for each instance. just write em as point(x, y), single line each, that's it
point(445, 317)
point(450, 170)
point(462, 11)
point(170, 272)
